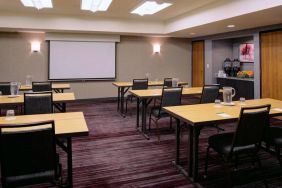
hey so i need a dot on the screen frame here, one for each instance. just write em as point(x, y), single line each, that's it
point(80, 79)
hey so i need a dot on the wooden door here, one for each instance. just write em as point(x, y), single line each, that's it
point(271, 64)
point(197, 63)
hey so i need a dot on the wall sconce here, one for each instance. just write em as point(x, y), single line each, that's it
point(156, 48)
point(35, 46)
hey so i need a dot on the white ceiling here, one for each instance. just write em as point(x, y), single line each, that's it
point(118, 9)
point(203, 17)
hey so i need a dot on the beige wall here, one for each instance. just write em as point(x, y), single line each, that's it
point(134, 59)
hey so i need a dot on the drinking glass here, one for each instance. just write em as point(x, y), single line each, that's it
point(10, 115)
point(217, 103)
point(28, 80)
point(242, 101)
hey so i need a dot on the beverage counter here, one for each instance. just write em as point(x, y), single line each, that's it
point(244, 86)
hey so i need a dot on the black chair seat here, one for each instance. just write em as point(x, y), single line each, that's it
point(159, 113)
point(275, 136)
point(249, 133)
point(222, 143)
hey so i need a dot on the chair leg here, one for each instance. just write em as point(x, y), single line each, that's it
point(126, 101)
point(236, 161)
point(228, 174)
point(158, 130)
point(170, 123)
point(278, 156)
point(206, 162)
point(261, 169)
point(150, 119)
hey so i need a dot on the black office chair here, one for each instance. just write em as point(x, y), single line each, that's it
point(5, 88)
point(41, 86)
point(29, 156)
point(247, 138)
point(274, 138)
point(138, 84)
point(167, 82)
point(38, 103)
point(209, 93)
point(170, 97)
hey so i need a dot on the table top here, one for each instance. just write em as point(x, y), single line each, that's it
point(66, 124)
point(57, 97)
point(204, 113)
point(146, 93)
point(54, 86)
point(150, 83)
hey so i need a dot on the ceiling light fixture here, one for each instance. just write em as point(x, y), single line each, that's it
point(95, 5)
point(150, 7)
point(39, 4)
point(231, 26)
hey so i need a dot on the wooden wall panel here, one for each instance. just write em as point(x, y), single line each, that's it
point(271, 64)
point(197, 63)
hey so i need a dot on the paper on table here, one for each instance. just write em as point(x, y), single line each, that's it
point(277, 109)
point(223, 115)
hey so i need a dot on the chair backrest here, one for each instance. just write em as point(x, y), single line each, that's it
point(28, 153)
point(171, 96)
point(38, 103)
point(5, 88)
point(41, 86)
point(139, 84)
point(251, 127)
point(209, 93)
point(168, 82)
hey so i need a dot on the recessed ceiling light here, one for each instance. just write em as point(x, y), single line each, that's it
point(95, 5)
point(231, 26)
point(150, 7)
point(39, 4)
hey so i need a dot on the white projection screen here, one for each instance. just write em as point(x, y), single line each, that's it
point(74, 60)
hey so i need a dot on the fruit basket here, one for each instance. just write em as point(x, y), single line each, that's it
point(245, 74)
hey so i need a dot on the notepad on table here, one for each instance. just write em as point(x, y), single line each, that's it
point(277, 109)
point(222, 114)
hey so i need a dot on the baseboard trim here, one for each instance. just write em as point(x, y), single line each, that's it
point(97, 99)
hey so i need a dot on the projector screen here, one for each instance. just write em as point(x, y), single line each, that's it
point(74, 60)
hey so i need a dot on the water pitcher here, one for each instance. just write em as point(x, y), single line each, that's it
point(228, 94)
point(14, 88)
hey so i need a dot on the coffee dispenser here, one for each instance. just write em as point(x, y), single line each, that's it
point(227, 66)
point(235, 67)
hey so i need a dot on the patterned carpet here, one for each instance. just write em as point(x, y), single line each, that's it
point(115, 155)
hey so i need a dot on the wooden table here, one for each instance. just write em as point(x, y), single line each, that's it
point(59, 100)
point(58, 88)
point(198, 116)
point(123, 87)
point(67, 125)
point(146, 96)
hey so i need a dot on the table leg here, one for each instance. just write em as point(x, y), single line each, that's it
point(138, 113)
point(69, 157)
point(118, 98)
point(177, 149)
point(196, 134)
point(190, 150)
point(177, 135)
point(122, 100)
point(144, 114)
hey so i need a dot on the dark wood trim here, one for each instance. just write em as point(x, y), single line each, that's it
point(204, 68)
point(260, 59)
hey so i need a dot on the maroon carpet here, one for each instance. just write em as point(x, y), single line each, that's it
point(116, 155)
